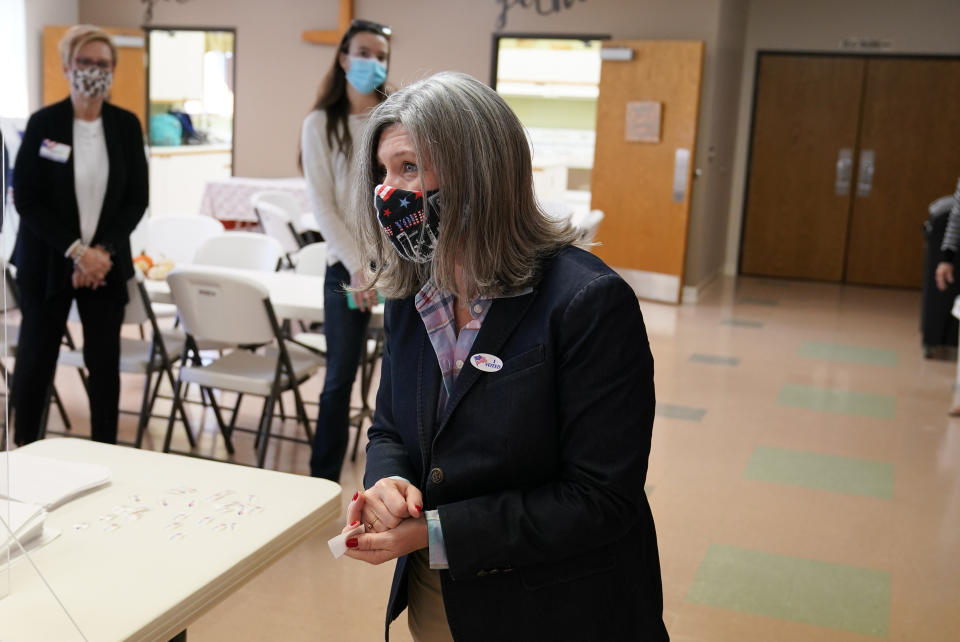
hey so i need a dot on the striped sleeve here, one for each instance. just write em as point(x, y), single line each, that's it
point(951, 238)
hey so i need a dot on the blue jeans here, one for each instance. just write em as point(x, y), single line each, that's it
point(346, 332)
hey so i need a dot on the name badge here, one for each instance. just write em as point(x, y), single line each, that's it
point(52, 150)
point(486, 362)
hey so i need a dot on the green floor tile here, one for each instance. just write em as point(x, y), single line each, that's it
point(742, 323)
point(829, 595)
point(715, 359)
point(680, 412)
point(839, 401)
point(824, 472)
point(848, 354)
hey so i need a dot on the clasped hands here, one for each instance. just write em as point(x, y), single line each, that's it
point(392, 514)
point(90, 270)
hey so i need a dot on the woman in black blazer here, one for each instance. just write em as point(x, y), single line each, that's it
point(80, 187)
point(508, 454)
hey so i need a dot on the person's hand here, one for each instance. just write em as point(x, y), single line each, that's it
point(81, 279)
point(376, 548)
point(944, 275)
point(364, 299)
point(95, 262)
point(385, 504)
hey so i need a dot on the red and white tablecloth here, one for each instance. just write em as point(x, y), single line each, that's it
point(229, 198)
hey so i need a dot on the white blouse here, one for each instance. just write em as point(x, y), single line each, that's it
point(91, 167)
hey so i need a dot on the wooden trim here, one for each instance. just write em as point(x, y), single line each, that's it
point(332, 36)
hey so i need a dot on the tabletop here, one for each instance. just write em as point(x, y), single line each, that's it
point(168, 538)
point(293, 295)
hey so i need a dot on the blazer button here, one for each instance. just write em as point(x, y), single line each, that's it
point(436, 475)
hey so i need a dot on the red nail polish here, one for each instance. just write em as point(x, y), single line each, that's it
point(419, 509)
point(355, 495)
point(355, 523)
point(352, 542)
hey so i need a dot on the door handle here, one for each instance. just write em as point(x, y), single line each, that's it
point(865, 173)
point(681, 168)
point(844, 172)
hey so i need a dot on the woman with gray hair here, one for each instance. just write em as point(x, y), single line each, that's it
point(508, 453)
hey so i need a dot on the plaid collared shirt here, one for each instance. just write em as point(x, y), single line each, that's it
point(436, 310)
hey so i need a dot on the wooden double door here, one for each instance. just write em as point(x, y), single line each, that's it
point(846, 154)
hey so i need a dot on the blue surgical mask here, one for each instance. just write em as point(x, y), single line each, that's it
point(366, 74)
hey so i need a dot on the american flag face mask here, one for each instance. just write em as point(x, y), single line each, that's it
point(401, 213)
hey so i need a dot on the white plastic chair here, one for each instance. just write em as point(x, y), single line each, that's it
point(312, 259)
point(559, 210)
point(178, 237)
point(140, 356)
point(273, 210)
point(302, 221)
point(588, 225)
point(11, 341)
point(247, 250)
point(236, 309)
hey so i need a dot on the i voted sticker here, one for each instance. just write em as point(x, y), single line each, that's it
point(486, 362)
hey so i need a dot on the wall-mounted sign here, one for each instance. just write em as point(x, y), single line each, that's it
point(866, 44)
point(643, 121)
point(543, 7)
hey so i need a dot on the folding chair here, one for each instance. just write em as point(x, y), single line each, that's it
point(179, 237)
point(175, 237)
point(236, 309)
point(247, 250)
point(304, 224)
point(12, 343)
point(140, 356)
point(276, 223)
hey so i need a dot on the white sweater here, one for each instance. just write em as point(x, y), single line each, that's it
point(331, 177)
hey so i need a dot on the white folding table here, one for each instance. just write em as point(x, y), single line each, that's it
point(125, 573)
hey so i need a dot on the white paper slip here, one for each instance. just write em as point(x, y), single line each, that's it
point(338, 544)
point(51, 482)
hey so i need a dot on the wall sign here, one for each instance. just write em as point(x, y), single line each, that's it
point(643, 121)
point(543, 7)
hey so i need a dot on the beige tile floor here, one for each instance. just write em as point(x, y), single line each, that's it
point(857, 522)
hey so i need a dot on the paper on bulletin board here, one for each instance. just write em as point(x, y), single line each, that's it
point(643, 121)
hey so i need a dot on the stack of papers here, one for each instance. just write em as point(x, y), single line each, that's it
point(26, 523)
point(51, 482)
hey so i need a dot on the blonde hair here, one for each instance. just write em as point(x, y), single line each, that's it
point(79, 35)
point(492, 232)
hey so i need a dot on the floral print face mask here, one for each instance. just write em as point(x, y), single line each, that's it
point(92, 82)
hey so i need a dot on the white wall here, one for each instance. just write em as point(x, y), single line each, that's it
point(13, 47)
point(278, 74)
point(39, 14)
point(916, 27)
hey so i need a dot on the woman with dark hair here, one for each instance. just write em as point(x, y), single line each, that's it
point(508, 452)
point(80, 186)
point(353, 86)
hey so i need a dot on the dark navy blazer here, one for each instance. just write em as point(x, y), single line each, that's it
point(538, 469)
point(45, 196)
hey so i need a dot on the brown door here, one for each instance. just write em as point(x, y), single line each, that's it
point(801, 166)
point(129, 82)
point(644, 232)
point(909, 156)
